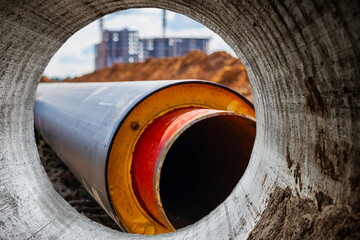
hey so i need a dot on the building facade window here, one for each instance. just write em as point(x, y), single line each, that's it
point(127, 46)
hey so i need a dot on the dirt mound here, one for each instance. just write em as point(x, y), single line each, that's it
point(45, 79)
point(219, 67)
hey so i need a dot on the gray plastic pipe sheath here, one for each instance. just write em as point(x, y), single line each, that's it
point(67, 115)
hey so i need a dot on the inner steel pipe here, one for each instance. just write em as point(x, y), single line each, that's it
point(157, 156)
point(203, 166)
point(194, 162)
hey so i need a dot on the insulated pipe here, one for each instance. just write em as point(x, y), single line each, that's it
point(156, 155)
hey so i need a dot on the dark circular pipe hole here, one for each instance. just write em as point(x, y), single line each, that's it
point(203, 166)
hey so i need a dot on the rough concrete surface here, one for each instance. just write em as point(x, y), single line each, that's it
point(303, 63)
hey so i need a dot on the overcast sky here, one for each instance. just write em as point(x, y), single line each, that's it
point(76, 56)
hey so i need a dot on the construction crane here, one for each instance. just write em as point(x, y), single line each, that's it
point(164, 22)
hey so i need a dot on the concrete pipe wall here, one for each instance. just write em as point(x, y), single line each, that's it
point(303, 62)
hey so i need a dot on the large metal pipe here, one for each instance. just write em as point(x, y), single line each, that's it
point(156, 155)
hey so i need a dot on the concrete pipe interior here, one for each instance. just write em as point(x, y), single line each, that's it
point(203, 166)
point(303, 63)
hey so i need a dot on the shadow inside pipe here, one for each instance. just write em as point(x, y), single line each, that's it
point(203, 167)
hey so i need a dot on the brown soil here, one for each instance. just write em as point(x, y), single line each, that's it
point(219, 67)
point(290, 217)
